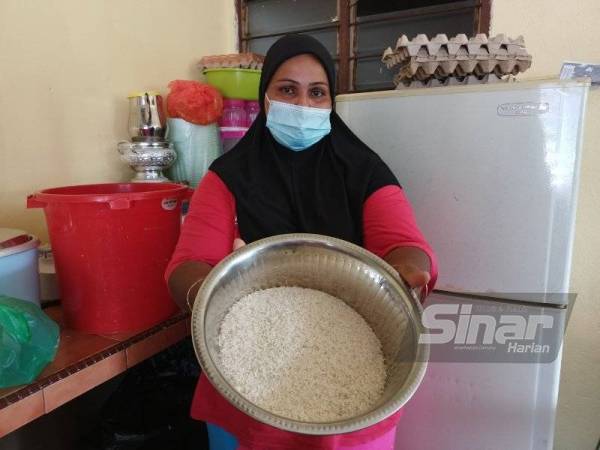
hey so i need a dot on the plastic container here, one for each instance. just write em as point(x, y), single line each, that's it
point(49, 290)
point(197, 146)
point(219, 439)
point(19, 266)
point(233, 123)
point(252, 110)
point(111, 245)
point(229, 143)
point(234, 83)
point(234, 114)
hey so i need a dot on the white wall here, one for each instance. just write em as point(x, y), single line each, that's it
point(66, 67)
point(555, 31)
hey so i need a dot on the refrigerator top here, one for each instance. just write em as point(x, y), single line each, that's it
point(537, 83)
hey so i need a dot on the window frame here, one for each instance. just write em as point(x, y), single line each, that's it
point(347, 23)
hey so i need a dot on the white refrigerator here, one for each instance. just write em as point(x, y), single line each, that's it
point(492, 173)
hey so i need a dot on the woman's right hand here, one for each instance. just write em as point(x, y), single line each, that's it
point(185, 282)
point(238, 243)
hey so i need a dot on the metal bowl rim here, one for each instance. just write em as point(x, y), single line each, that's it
point(215, 377)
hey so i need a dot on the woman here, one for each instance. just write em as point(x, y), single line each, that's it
point(297, 169)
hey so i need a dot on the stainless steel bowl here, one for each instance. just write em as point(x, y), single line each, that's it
point(361, 279)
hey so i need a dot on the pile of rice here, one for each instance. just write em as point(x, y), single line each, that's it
point(302, 354)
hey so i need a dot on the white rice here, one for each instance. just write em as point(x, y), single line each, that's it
point(301, 354)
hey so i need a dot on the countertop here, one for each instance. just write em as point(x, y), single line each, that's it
point(84, 361)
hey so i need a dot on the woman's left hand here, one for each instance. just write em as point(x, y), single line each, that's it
point(416, 279)
point(412, 264)
point(414, 276)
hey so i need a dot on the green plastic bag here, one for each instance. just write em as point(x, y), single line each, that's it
point(28, 341)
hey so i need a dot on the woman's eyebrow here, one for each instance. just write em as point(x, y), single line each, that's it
point(289, 80)
point(286, 80)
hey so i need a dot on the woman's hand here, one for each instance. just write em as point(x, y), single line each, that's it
point(414, 276)
point(185, 282)
point(412, 264)
point(186, 279)
point(238, 243)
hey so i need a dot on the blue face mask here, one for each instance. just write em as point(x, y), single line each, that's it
point(297, 127)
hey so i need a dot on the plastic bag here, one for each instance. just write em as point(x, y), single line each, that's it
point(195, 102)
point(151, 407)
point(197, 146)
point(28, 341)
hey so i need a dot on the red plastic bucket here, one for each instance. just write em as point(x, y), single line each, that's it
point(111, 245)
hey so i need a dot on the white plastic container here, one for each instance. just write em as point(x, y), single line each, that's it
point(49, 290)
point(19, 266)
point(197, 146)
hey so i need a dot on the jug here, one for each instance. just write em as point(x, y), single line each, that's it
point(146, 118)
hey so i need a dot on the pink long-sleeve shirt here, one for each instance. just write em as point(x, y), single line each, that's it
point(208, 234)
point(210, 225)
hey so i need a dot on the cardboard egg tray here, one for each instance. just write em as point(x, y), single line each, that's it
point(235, 60)
point(449, 81)
point(459, 57)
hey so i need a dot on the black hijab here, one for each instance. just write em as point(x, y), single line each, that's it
point(317, 190)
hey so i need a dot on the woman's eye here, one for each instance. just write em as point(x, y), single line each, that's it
point(318, 93)
point(287, 90)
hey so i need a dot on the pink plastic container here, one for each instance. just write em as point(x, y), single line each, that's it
point(252, 109)
point(234, 114)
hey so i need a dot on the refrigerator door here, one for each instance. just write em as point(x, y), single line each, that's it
point(483, 406)
point(492, 174)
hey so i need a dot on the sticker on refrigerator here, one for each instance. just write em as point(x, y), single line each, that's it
point(523, 109)
point(573, 70)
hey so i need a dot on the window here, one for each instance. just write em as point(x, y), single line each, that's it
point(357, 31)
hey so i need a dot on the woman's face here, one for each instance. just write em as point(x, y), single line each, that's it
point(302, 81)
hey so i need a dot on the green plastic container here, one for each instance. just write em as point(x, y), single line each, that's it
point(234, 83)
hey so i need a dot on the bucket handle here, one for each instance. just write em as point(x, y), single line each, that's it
point(33, 202)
